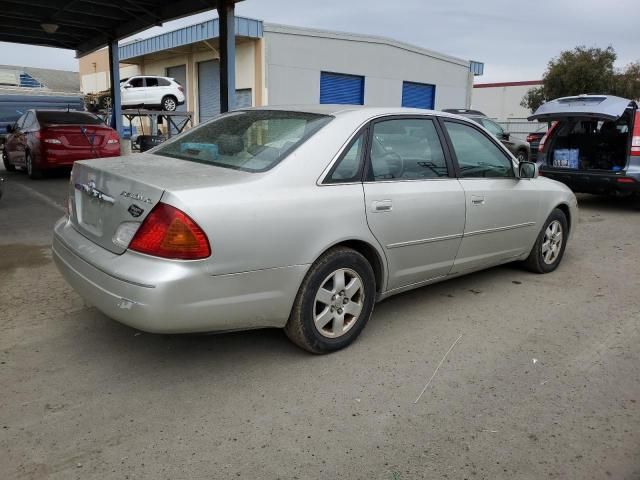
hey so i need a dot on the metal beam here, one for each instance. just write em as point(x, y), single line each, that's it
point(114, 76)
point(227, 55)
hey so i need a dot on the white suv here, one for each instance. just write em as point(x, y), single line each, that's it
point(148, 91)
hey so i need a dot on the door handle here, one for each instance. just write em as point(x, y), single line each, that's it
point(475, 200)
point(378, 206)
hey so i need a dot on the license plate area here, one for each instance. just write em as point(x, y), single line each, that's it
point(91, 213)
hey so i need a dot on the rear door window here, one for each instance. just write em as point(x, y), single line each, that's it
point(406, 149)
point(151, 82)
point(476, 154)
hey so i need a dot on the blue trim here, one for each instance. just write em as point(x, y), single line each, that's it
point(418, 95)
point(244, 27)
point(341, 88)
point(477, 68)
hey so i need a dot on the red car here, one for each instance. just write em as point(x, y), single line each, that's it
point(46, 139)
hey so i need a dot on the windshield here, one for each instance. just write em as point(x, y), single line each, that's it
point(252, 140)
point(68, 118)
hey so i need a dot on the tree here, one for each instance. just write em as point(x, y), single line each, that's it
point(584, 70)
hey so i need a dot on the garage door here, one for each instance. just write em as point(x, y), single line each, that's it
point(208, 90)
point(243, 98)
point(179, 74)
point(418, 95)
point(341, 88)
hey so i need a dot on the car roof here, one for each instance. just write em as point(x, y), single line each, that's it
point(356, 110)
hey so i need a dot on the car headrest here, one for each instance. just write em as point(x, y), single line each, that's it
point(230, 144)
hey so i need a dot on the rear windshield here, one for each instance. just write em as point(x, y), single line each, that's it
point(252, 140)
point(68, 118)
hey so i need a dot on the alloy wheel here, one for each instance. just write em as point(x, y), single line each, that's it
point(552, 242)
point(338, 303)
point(169, 105)
point(29, 165)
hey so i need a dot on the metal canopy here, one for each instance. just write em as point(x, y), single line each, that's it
point(87, 25)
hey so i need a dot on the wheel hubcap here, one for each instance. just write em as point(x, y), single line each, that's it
point(169, 105)
point(29, 166)
point(338, 303)
point(552, 242)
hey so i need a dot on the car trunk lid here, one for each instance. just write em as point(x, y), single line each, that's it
point(79, 136)
point(605, 107)
point(106, 193)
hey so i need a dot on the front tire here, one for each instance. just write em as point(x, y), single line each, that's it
point(8, 166)
point(334, 302)
point(548, 250)
point(169, 104)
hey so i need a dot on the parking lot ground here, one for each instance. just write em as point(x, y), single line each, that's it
point(544, 383)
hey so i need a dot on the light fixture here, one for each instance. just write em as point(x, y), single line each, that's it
point(50, 27)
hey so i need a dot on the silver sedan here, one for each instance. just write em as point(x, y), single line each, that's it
point(302, 218)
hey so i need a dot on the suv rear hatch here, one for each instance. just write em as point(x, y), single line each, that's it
point(592, 133)
point(105, 193)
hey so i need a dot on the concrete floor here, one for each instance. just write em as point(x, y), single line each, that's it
point(544, 383)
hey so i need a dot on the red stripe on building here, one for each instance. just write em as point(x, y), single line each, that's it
point(508, 84)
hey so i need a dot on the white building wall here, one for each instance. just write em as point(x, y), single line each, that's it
point(99, 81)
point(501, 102)
point(296, 56)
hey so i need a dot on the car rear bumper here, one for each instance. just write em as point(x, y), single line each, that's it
point(594, 182)
point(65, 158)
point(177, 296)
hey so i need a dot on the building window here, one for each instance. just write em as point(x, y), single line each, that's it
point(341, 88)
point(418, 95)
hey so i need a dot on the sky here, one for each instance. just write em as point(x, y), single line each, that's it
point(513, 38)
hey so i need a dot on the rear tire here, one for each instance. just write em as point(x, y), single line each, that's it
point(548, 250)
point(334, 302)
point(32, 170)
point(169, 103)
point(8, 166)
point(105, 102)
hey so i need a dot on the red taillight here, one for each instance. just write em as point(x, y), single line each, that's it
point(625, 180)
point(113, 138)
point(635, 138)
point(181, 88)
point(543, 140)
point(531, 138)
point(170, 233)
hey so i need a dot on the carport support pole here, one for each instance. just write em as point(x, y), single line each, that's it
point(227, 54)
point(114, 77)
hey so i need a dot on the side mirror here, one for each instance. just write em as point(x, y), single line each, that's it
point(10, 128)
point(505, 135)
point(126, 86)
point(528, 170)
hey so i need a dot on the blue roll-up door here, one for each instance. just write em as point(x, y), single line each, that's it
point(418, 95)
point(208, 90)
point(179, 74)
point(243, 98)
point(341, 88)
